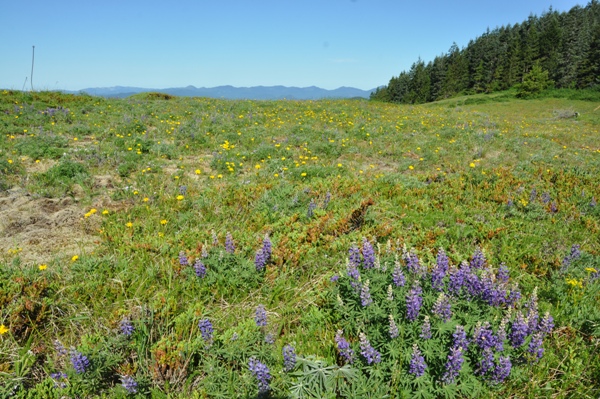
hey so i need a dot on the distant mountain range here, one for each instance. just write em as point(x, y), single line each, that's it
point(230, 92)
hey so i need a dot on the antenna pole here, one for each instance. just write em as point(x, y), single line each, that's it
point(32, 61)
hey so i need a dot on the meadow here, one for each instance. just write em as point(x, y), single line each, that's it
point(199, 248)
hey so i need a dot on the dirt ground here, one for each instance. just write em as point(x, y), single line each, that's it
point(41, 229)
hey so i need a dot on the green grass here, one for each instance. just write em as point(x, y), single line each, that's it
point(516, 178)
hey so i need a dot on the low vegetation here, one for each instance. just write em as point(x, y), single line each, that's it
point(311, 249)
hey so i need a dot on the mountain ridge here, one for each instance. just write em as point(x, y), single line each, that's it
point(277, 92)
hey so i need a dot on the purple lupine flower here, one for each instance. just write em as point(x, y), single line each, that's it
point(440, 270)
point(518, 331)
point(344, 347)
point(478, 259)
point(199, 268)
point(394, 333)
point(414, 301)
point(457, 278)
point(426, 329)
point(311, 208)
point(441, 308)
point(267, 248)
point(546, 324)
point(129, 383)
point(553, 207)
point(260, 316)
point(489, 292)
point(484, 337)
point(229, 245)
point(79, 361)
point(574, 254)
point(334, 278)
point(533, 195)
point(502, 369)
point(262, 374)
point(182, 190)
point(503, 274)
point(260, 260)
point(453, 365)
point(60, 349)
point(183, 259)
point(369, 353)
point(460, 338)
point(204, 253)
point(289, 357)
point(473, 284)
point(514, 296)
point(354, 256)
point(412, 263)
point(365, 295)
point(269, 339)
point(535, 347)
point(501, 335)
point(546, 197)
point(60, 379)
point(417, 363)
point(206, 329)
point(368, 254)
point(398, 277)
point(126, 327)
point(486, 363)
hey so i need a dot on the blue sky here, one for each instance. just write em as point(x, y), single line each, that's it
point(160, 44)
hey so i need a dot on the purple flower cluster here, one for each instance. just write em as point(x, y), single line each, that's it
point(354, 256)
point(344, 347)
point(478, 259)
point(414, 301)
point(199, 268)
point(183, 260)
point(398, 277)
point(368, 254)
point(369, 353)
point(440, 270)
point(426, 329)
point(503, 274)
point(518, 331)
point(206, 329)
point(60, 379)
point(574, 254)
point(260, 316)
point(454, 364)
point(441, 308)
point(60, 349)
point(260, 260)
point(262, 374)
point(417, 363)
point(229, 245)
point(365, 295)
point(267, 248)
point(126, 327)
point(79, 361)
point(502, 369)
point(129, 384)
point(289, 357)
point(412, 263)
point(484, 336)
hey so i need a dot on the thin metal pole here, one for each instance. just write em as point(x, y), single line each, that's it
point(32, 60)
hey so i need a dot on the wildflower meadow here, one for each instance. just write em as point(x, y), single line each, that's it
point(168, 247)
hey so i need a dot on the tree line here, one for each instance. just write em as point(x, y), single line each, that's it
point(565, 46)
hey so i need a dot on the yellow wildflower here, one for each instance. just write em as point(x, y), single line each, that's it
point(3, 329)
point(43, 266)
point(180, 197)
point(74, 258)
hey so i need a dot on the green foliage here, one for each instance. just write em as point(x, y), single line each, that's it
point(40, 147)
point(534, 82)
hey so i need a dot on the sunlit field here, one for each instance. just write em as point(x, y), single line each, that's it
point(198, 248)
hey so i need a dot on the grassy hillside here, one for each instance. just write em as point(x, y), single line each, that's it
point(134, 247)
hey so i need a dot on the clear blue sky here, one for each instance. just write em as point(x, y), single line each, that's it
point(160, 44)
